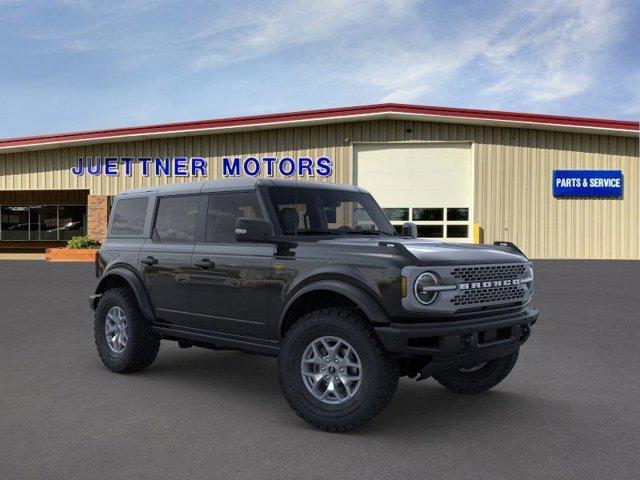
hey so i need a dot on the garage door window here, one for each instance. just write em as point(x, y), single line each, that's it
point(432, 222)
point(397, 214)
point(428, 214)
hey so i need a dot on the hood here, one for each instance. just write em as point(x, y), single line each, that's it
point(429, 252)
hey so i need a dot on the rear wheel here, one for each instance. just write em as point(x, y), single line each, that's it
point(477, 378)
point(123, 337)
point(333, 370)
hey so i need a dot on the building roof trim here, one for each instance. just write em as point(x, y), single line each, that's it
point(329, 115)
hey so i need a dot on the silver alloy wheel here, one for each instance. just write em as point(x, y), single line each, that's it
point(116, 330)
point(331, 370)
point(473, 368)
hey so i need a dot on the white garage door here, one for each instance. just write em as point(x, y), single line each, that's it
point(428, 184)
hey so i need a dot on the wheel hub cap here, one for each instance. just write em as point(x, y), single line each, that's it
point(331, 370)
point(116, 330)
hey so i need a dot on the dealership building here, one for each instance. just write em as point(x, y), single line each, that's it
point(558, 187)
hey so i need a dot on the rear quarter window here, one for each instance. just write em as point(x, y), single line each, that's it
point(129, 216)
point(176, 219)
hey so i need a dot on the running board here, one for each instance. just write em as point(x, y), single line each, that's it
point(219, 339)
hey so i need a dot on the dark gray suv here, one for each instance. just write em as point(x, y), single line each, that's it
point(314, 274)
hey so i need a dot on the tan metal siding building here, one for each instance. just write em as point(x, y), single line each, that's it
point(512, 168)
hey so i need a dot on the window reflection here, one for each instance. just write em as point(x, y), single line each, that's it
point(42, 222)
point(72, 221)
point(15, 223)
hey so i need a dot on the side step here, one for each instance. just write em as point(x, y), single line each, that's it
point(189, 337)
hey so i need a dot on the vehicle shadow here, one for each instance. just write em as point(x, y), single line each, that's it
point(417, 407)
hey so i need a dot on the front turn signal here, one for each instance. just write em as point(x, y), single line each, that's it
point(403, 286)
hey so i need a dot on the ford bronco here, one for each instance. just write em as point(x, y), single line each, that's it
point(315, 274)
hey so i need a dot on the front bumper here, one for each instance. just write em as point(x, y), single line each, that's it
point(461, 344)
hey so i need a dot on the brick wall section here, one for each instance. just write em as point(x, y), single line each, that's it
point(97, 216)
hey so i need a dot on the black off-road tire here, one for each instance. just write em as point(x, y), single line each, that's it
point(490, 375)
point(142, 344)
point(379, 372)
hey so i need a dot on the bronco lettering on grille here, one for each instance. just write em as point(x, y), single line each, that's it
point(494, 283)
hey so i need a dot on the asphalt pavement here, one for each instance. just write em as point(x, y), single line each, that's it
point(569, 409)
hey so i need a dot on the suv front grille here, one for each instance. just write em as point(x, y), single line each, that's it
point(489, 295)
point(490, 272)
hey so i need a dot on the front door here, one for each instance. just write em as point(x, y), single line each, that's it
point(166, 258)
point(230, 281)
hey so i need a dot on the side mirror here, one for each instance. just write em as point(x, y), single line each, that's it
point(254, 230)
point(409, 230)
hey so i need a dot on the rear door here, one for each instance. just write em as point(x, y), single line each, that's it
point(230, 281)
point(165, 259)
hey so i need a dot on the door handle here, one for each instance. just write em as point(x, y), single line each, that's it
point(149, 260)
point(205, 263)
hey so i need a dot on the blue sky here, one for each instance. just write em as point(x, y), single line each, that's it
point(81, 64)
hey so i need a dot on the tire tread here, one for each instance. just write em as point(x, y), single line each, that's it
point(388, 375)
point(143, 341)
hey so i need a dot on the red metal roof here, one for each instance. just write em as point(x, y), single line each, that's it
point(467, 115)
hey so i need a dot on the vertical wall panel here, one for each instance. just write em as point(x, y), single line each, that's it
point(513, 169)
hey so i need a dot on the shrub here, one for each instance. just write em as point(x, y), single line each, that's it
point(82, 242)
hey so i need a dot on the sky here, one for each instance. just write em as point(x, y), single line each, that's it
point(73, 65)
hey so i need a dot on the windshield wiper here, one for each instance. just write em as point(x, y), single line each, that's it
point(364, 232)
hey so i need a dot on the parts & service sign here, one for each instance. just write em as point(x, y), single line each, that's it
point(587, 183)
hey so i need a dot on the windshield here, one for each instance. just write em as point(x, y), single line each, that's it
point(320, 211)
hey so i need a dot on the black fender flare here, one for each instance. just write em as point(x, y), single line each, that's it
point(367, 303)
point(135, 283)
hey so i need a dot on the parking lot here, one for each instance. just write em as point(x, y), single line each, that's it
point(569, 409)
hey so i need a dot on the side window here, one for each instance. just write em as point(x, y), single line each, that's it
point(224, 209)
point(129, 216)
point(176, 219)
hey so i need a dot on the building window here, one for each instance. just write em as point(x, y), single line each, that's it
point(431, 231)
point(457, 214)
point(42, 222)
point(427, 214)
point(432, 222)
point(457, 231)
point(15, 223)
point(397, 214)
point(71, 221)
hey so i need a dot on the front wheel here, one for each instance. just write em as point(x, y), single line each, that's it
point(333, 370)
point(477, 378)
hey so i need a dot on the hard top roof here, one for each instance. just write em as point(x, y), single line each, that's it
point(231, 184)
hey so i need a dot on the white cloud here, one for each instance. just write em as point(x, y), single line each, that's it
point(277, 26)
point(553, 56)
point(533, 56)
point(508, 55)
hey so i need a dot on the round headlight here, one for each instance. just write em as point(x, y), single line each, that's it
point(422, 288)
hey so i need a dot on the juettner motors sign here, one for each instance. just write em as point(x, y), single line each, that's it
point(197, 166)
point(587, 183)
